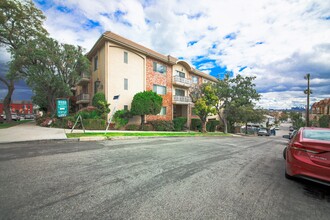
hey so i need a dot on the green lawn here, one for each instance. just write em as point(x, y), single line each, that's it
point(11, 124)
point(145, 134)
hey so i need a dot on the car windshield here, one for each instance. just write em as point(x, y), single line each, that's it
point(323, 135)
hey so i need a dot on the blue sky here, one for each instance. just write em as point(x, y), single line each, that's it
point(278, 41)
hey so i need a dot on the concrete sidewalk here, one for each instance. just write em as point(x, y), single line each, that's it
point(30, 132)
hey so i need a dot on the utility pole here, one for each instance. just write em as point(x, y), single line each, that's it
point(308, 92)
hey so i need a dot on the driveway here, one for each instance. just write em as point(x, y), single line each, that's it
point(30, 132)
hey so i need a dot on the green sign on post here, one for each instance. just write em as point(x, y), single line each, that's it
point(62, 107)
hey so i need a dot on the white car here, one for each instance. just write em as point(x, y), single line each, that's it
point(14, 117)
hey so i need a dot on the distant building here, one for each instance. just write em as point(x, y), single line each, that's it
point(19, 107)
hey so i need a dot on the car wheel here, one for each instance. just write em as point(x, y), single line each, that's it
point(284, 153)
point(288, 176)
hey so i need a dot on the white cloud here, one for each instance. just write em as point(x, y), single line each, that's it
point(278, 41)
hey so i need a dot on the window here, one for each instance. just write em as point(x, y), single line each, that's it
point(125, 84)
point(162, 111)
point(125, 107)
point(179, 92)
point(95, 86)
point(205, 81)
point(157, 67)
point(96, 63)
point(195, 79)
point(180, 74)
point(160, 90)
point(125, 57)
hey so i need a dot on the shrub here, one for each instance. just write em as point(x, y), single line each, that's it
point(101, 104)
point(324, 121)
point(161, 125)
point(196, 124)
point(146, 127)
point(132, 127)
point(121, 118)
point(212, 125)
point(95, 124)
point(66, 122)
point(94, 114)
point(179, 123)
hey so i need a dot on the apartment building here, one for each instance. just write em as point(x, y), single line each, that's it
point(320, 108)
point(123, 67)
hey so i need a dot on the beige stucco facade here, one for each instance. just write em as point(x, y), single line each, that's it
point(125, 68)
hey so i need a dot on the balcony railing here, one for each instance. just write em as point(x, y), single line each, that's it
point(177, 98)
point(83, 98)
point(85, 78)
point(182, 81)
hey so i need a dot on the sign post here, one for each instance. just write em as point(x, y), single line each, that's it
point(62, 107)
point(115, 98)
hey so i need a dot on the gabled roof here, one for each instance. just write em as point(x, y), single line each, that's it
point(126, 43)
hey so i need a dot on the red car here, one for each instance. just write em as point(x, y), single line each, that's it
point(308, 155)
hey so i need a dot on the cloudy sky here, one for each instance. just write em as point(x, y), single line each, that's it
point(278, 41)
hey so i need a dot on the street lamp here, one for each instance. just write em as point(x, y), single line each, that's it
point(307, 92)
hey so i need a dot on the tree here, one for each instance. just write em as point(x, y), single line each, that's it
point(284, 116)
point(204, 98)
point(146, 103)
point(20, 22)
point(324, 121)
point(297, 120)
point(233, 93)
point(247, 113)
point(101, 104)
point(50, 69)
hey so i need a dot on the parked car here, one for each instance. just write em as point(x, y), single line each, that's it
point(307, 155)
point(14, 117)
point(291, 128)
point(263, 132)
point(29, 116)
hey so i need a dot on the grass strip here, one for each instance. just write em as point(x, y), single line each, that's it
point(145, 134)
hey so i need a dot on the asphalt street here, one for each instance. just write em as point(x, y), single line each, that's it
point(155, 178)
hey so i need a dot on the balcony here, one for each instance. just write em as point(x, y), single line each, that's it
point(85, 78)
point(83, 98)
point(177, 80)
point(181, 99)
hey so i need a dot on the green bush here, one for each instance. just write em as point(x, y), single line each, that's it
point(324, 121)
point(179, 123)
point(196, 124)
point(161, 125)
point(146, 127)
point(132, 127)
point(121, 118)
point(97, 98)
point(211, 126)
point(95, 114)
point(95, 124)
point(64, 122)
point(101, 104)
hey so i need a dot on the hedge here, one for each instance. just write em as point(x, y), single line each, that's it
point(211, 126)
point(179, 123)
point(161, 125)
point(196, 124)
point(95, 124)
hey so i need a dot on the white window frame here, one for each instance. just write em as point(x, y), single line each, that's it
point(125, 84)
point(155, 89)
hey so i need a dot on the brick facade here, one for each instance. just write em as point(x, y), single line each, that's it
point(152, 78)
